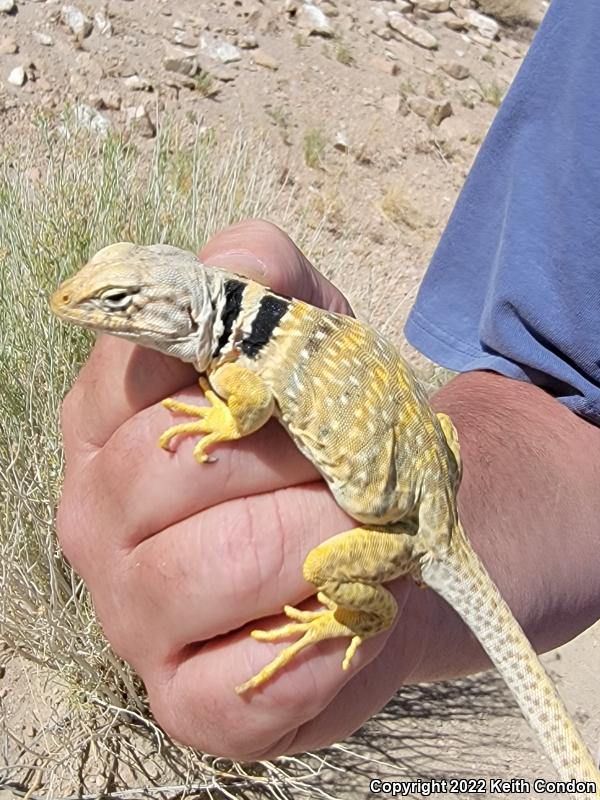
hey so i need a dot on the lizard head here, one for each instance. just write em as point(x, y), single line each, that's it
point(157, 296)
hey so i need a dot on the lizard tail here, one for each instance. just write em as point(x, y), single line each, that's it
point(462, 580)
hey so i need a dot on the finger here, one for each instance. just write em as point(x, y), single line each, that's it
point(268, 721)
point(263, 252)
point(118, 380)
point(146, 489)
point(214, 572)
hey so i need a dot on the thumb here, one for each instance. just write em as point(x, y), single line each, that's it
point(263, 252)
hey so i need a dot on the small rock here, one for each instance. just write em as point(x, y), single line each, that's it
point(341, 142)
point(435, 6)
point(248, 41)
point(43, 38)
point(386, 66)
point(111, 100)
point(391, 104)
point(185, 39)
point(8, 46)
point(7, 6)
point(17, 76)
point(403, 5)
point(434, 111)
point(219, 49)
point(138, 121)
point(103, 24)
point(312, 20)
point(29, 731)
point(224, 73)
point(2, 671)
point(76, 21)
point(182, 61)
point(137, 83)
point(486, 26)
point(264, 59)
point(451, 21)
point(88, 117)
point(456, 69)
point(411, 32)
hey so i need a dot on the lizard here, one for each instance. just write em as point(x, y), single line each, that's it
point(354, 408)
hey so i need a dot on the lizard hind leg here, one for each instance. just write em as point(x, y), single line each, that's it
point(348, 569)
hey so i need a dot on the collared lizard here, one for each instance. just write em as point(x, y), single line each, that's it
point(353, 407)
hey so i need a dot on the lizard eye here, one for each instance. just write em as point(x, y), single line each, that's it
point(116, 299)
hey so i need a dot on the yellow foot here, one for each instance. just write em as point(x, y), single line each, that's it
point(315, 626)
point(215, 423)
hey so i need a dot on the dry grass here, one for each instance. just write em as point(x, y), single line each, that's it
point(76, 722)
point(60, 200)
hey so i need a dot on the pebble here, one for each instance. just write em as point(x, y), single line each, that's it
point(452, 22)
point(137, 83)
point(341, 142)
point(456, 69)
point(247, 41)
point(486, 26)
point(8, 46)
point(137, 120)
point(103, 24)
point(219, 49)
point(17, 76)
point(411, 32)
point(403, 5)
point(43, 38)
point(182, 61)
point(88, 117)
point(264, 59)
point(224, 73)
point(434, 111)
point(311, 19)
point(76, 21)
point(7, 6)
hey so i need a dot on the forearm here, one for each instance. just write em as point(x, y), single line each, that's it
point(529, 504)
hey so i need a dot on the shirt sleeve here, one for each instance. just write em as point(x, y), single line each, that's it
point(514, 284)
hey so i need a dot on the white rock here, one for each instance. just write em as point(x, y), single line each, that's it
point(399, 23)
point(264, 59)
point(219, 49)
point(43, 38)
point(17, 76)
point(486, 26)
point(313, 20)
point(76, 20)
point(137, 83)
point(403, 5)
point(103, 24)
point(341, 142)
point(88, 117)
point(7, 6)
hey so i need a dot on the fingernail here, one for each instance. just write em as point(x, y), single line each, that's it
point(242, 261)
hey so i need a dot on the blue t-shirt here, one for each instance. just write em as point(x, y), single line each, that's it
point(514, 285)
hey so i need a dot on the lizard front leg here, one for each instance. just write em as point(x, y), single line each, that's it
point(244, 405)
point(348, 570)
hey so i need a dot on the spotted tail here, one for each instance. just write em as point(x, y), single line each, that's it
point(462, 580)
